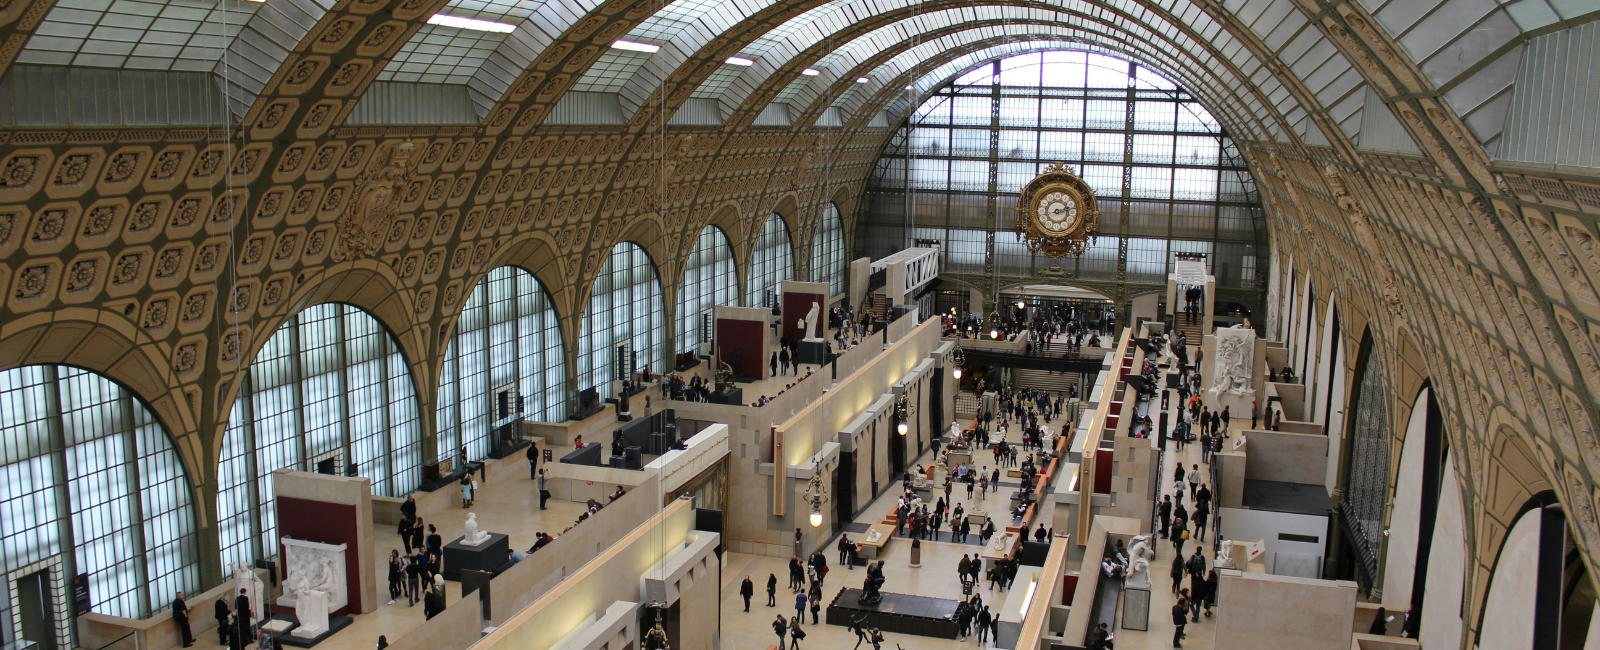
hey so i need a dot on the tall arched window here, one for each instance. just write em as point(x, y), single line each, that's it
point(709, 279)
point(1124, 128)
point(90, 484)
point(508, 334)
point(330, 385)
point(827, 251)
point(771, 262)
point(625, 307)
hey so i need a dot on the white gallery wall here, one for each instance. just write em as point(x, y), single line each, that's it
point(1447, 567)
point(1508, 622)
point(1405, 520)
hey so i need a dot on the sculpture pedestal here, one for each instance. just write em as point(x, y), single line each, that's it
point(312, 610)
point(813, 351)
point(486, 557)
point(1135, 609)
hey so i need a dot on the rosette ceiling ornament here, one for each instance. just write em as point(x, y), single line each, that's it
point(1057, 214)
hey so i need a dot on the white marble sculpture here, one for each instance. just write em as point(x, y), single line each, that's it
point(999, 543)
point(1231, 371)
point(473, 537)
point(1224, 555)
point(314, 567)
point(1139, 563)
point(811, 323)
point(244, 578)
point(312, 612)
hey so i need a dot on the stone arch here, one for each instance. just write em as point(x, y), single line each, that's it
point(369, 285)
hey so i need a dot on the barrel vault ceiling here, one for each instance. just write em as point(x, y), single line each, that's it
point(1426, 163)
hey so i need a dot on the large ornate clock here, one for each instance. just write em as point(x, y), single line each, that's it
point(1057, 214)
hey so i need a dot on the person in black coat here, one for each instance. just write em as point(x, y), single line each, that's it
point(772, 590)
point(417, 532)
point(747, 589)
point(243, 616)
point(435, 541)
point(414, 579)
point(1180, 618)
point(220, 611)
point(432, 604)
point(180, 616)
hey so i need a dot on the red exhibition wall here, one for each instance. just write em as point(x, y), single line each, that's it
point(324, 523)
point(795, 308)
point(744, 336)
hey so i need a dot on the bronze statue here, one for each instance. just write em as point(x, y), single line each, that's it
point(863, 633)
point(724, 378)
point(869, 588)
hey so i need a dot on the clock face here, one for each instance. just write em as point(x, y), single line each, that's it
point(1057, 212)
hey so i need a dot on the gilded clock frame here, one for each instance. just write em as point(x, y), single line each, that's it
point(1058, 177)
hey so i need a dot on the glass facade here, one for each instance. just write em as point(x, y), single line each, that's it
point(91, 480)
point(625, 308)
point(827, 251)
point(709, 279)
point(508, 334)
point(1168, 178)
point(330, 385)
point(771, 262)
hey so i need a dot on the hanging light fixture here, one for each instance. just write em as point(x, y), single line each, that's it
point(1021, 304)
point(958, 359)
point(903, 413)
point(816, 492)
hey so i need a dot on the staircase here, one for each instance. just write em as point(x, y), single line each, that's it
point(1044, 380)
point(1194, 332)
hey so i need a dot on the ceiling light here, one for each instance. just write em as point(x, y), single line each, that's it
point(810, 72)
point(862, 80)
point(647, 48)
point(471, 23)
point(739, 60)
point(908, 87)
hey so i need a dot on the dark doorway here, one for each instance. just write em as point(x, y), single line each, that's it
point(844, 498)
point(897, 453)
point(33, 606)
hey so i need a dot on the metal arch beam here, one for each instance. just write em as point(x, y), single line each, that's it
point(884, 95)
point(1208, 94)
point(1191, 77)
point(697, 68)
point(889, 53)
point(791, 69)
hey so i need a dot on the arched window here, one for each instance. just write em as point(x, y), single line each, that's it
point(771, 262)
point(330, 385)
point(827, 251)
point(1124, 128)
point(508, 334)
point(91, 485)
point(709, 279)
point(625, 307)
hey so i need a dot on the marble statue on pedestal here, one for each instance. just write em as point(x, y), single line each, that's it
point(811, 323)
point(244, 578)
point(1139, 563)
point(473, 536)
point(312, 612)
point(314, 567)
point(1224, 555)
